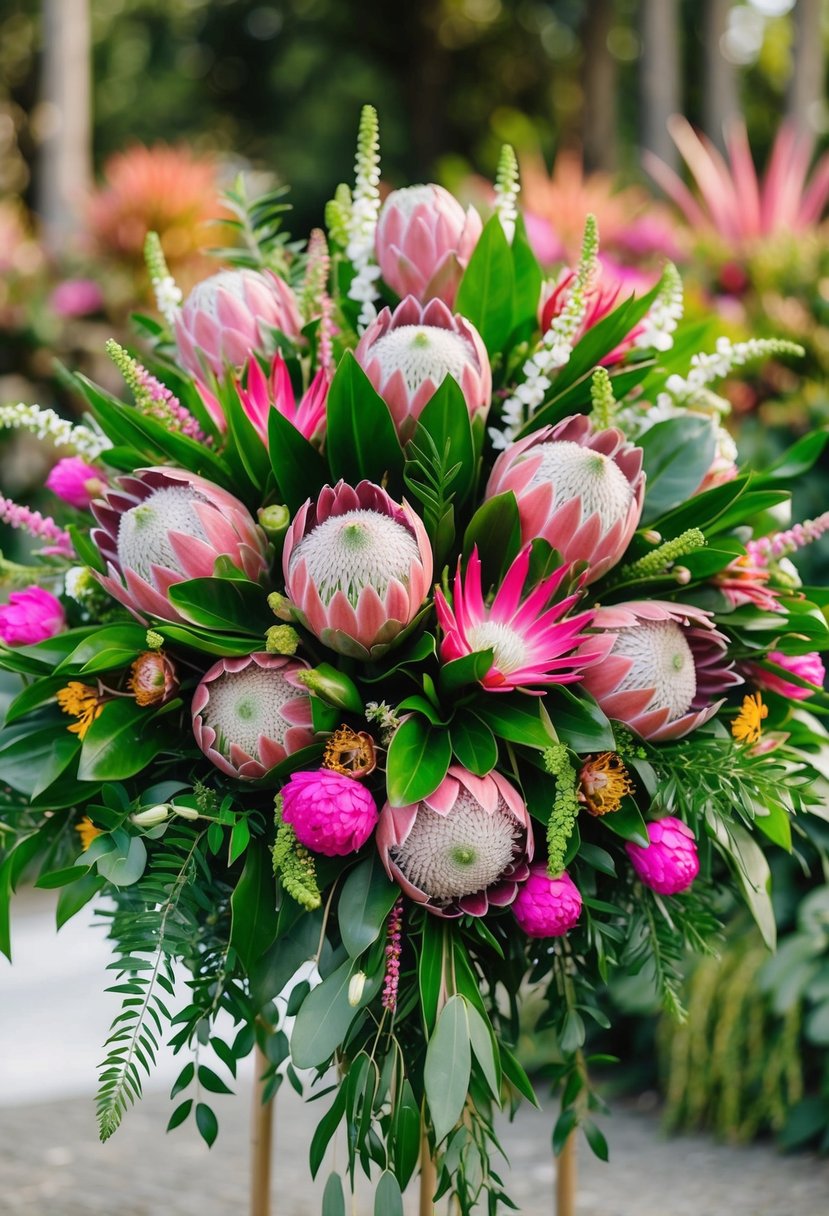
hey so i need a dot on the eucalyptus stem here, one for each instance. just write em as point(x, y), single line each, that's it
point(261, 1139)
point(428, 1173)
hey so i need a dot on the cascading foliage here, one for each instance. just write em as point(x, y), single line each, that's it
point(431, 659)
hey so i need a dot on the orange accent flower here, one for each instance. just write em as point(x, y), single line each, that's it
point(87, 831)
point(747, 726)
point(350, 752)
point(81, 701)
point(603, 783)
point(153, 680)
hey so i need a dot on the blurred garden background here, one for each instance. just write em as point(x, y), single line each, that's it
point(119, 116)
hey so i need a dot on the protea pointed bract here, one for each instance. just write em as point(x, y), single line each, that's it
point(408, 353)
point(260, 394)
point(466, 846)
point(161, 526)
point(533, 644)
point(666, 665)
point(579, 489)
point(252, 712)
point(229, 316)
point(424, 241)
point(357, 567)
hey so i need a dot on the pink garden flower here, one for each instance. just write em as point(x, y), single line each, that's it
point(612, 285)
point(30, 616)
point(579, 489)
point(76, 298)
point(424, 241)
point(532, 644)
point(408, 353)
point(230, 316)
point(76, 482)
point(666, 664)
point(161, 526)
point(260, 395)
point(466, 846)
point(330, 813)
point(545, 906)
point(745, 581)
point(357, 567)
point(670, 862)
point(804, 666)
point(250, 713)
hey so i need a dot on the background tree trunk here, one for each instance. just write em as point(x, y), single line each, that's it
point(721, 101)
point(599, 128)
point(806, 86)
point(660, 76)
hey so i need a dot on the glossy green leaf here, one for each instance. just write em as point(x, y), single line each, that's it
point(596, 1140)
point(122, 859)
point(116, 645)
point(484, 1049)
point(628, 823)
point(237, 605)
point(121, 741)
point(211, 1082)
point(473, 743)
point(361, 440)
point(418, 757)
point(485, 295)
point(33, 757)
point(207, 1124)
point(579, 721)
point(388, 1200)
point(366, 899)
point(445, 418)
point(469, 669)
point(77, 895)
point(496, 530)
point(528, 278)
point(516, 718)
point(430, 968)
point(777, 826)
point(677, 453)
point(253, 907)
point(275, 968)
point(448, 1066)
point(323, 1019)
point(299, 469)
point(405, 1142)
point(179, 1114)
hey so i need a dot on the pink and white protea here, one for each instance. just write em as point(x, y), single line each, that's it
point(230, 316)
point(408, 353)
point(666, 665)
point(424, 241)
point(530, 646)
point(330, 813)
point(259, 394)
point(161, 526)
point(670, 863)
point(545, 906)
point(466, 846)
point(807, 667)
point(250, 713)
point(357, 568)
point(579, 489)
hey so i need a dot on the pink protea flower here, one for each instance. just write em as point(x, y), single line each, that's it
point(532, 644)
point(262, 394)
point(466, 846)
point(745, 581)
point(612, 285)
point(330, 813)
point(76, 298)
point(161, 526)
point(357, 567)
point(804, 666)
point(250, 713)
point(30, 616)
point(424, 241)
point(670, 862)
point(545, 906)
point(229, 316)
point(579, 489)
point(666, 664)
point(76, 482)
point(408, 353)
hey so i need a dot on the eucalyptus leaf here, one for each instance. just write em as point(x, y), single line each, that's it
point(366, 899)
point(448, 1067)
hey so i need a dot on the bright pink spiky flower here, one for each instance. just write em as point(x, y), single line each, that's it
point(666, 664)
point(531, 646)
point(545, 906)
point(424, 241)
point(579, 489)
point(161, 526)
point(330, 813)
point(250, 713)
point(408, 353)
point(260, 394)
point(807, 667)
point(466, 846)
point(357, 568)
point(670, 862)
point(612, 284)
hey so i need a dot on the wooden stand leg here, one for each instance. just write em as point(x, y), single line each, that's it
point(566, 1178)
point(261, 1142)
point(428, 1177)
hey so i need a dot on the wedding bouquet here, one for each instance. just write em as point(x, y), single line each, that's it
point(414, 645)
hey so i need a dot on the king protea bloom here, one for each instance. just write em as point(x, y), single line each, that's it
point(252, 712)
point(579, 489)
point(666, 665)
point(357, 567)
point(230, 316)
point(424, 241)
point(532, 644)
point(408, 353)
point(466, 846)
point(161, 526)
point(260, 394)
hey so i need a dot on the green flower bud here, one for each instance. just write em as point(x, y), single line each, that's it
point(332, 686)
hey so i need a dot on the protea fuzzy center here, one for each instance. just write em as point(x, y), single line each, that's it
point(355, 550)
point(144, 530)
point(244, 707)
point(662, 660)
point(582, 473)
point(509, 649)
point(420, 353)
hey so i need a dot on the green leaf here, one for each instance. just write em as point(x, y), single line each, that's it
point(473, 743)
point(448, 1066)
point(253, 907)
point(795, 461)
point(239, 840)
point(237, 605)
point(121, 741)
point(469, 669)
point(776, 825)
point(445, 418)
point(430, 969)
point(299, 469)
point(485, 295)
point(183, 1079)
point(596, 1140)
point(518, 719)
point(211, 1082)
point(333, 1199)
point(749, 863)
point(207, 1124)
point(112, 646)
point(628, 823)
point(222, 644)
point(76, 896)
point(361, 440)
point(418, 757)
point(366, 899)
point(277, 965)
point(515, 1074)
point(180, 1114)
point(677, 453)
point(388, 1201)
point(405, 1141)
point(496, 530)
point(484, 1049)
point(579, 721)
point(32, 759)
point(527, 282)
point(565, 1126)
point(323, 1019)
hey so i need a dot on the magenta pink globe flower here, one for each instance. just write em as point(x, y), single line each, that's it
point(670, 863)
point(260, 394)
point(408, 353)
point(76, 298)
point(466, 846)
point(161, 526)
point(545, 906)
point(579, 489)
point(665, 667)
point(30, 616)
point(330, 813)
point(424, 241)
point(76, 482)
point(805, 666)
point(230, 316)
point(358, 567)
point(250, 713)
point(533, 644)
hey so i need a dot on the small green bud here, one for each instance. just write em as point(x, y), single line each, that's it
point(151, 816)
point(186, 812)
point(355, 988)
point(274, 520)
point(332, 686)
point(281, 639)
point(281, 606)
point(154, 640)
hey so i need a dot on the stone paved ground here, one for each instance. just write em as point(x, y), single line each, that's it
point(52, 1022)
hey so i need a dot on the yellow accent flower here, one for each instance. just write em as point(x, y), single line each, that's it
point(603, 783)
point(87, 831)
point(81, 701)
point(746, 727)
